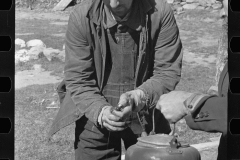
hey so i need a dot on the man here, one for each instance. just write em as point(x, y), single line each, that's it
point(201, 111)
point(113, 47)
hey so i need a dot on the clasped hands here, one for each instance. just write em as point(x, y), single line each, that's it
point(114, 120)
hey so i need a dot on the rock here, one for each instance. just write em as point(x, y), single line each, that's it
point(35, 42)
point(21, 52)
point(208, 20)
point(177, 1)
point(200, 7)
point(61, 56)
point(217, 6)
point(190, 6)
point(35, 52)
point(202, 3)
point(208, 8)
point(222, 12)
point(21, 56)
point(20, 42)
point(190, 1)
point(211, 1)
point(170, 1)
point(183, 3)
point(49, 53)
point(63, 46)
point(38, 68)
point(178, 8)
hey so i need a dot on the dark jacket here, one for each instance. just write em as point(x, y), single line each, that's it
point(211, 113)
point(158, 68)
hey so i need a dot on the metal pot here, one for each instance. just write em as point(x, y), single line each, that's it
point(161, 147)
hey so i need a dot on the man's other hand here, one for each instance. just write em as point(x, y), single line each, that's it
point(172, 105)
point(111, 121)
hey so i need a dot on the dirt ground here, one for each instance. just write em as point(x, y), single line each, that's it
point(36, 100)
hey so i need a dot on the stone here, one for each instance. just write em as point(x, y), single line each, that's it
point(183, 3)
point(35, 52)
point(49, 53)
point(209, 5)
point(61, 55)
point(175, 3)
point(178, 8)
point(190, 1)
point(211, 1)
point(217, 6)
point(21, 56)
point(208, 20)
point(190, 6)
point(200, 7)
point(222, 12)
point(20, 42)
point(202, 3)
point(170, 1)
point(38, 68)
point(35, 42)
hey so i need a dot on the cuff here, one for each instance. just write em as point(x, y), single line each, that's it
point(100, 116)
point(145, 97)
point(192, 101)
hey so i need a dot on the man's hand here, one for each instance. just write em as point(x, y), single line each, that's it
point(172, 105)
point(131, 101)
point(110, 121)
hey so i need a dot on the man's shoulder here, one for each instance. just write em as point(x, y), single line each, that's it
point(83, 7)
point(160, 6)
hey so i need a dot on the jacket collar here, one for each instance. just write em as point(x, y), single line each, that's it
point(96, 9)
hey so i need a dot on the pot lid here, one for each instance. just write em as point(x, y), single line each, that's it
point(157, 140)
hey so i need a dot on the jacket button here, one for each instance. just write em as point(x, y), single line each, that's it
point(190, 106)
point(201, 115)
point(206, 114)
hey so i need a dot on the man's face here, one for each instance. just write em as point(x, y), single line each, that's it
point(118, 7)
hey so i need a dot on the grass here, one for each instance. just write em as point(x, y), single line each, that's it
point(33, 118)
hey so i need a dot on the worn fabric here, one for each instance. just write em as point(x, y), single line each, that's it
point(93, 142)
point(210, 114)
point(158, 67)
point(120, 68)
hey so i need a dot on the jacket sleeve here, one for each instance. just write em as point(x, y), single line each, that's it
point(168, 55)
point(210, 115)
point(80, 74)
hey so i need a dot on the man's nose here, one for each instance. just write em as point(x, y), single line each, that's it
point(114, 3)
